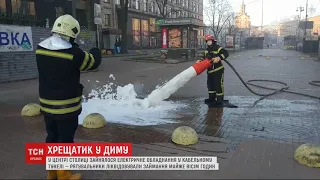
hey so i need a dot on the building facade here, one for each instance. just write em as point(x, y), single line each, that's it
point(144, 30)
point(110, 30)
point(43, 13)
point(315, 32)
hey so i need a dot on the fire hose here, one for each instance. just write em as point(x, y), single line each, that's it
point(203, 65)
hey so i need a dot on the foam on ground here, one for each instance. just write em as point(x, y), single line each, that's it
point(123, 107)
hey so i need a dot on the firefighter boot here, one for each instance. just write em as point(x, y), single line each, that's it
point(66, 175)
point(52, 175)
point(211, 99)
point(219, 101)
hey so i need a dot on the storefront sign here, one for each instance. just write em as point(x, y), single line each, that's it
point(164, 38)
point(179, 21)
point(15, 38)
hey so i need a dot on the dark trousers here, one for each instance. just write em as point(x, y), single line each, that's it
point(61, 130)
point(215, 85)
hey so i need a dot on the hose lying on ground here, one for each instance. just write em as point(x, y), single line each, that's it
point(284, 89)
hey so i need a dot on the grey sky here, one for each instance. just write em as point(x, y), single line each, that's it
point(273, 9)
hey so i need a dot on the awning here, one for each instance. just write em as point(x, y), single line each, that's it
point(180, 21)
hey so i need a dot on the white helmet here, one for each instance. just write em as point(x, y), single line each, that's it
point(66, 25)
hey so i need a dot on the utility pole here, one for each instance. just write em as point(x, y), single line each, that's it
point(261, 15)
point(299, 9)
point(305, 23)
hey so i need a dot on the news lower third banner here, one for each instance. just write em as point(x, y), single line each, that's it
point(109, 156)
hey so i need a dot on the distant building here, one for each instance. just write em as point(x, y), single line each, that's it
point(288, 28)
point(315, 32)
point(242, 18)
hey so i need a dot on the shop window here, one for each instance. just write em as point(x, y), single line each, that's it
point(136, 32)
point(2, 6)
point(145, 33)
point(22, 7)
point(175, 38)
point(152, 25)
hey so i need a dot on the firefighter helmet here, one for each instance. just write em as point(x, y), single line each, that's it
point(209, 37)
point(66, 25)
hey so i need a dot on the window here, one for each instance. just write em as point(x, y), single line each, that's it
point(22, 7)
point(117, 2)
point(179, 14)
point(174, 14)
point(136, 32)
point(198, 9)
point(182, 3)
point(106, 1)
point(59, 11)
point(145, 5)
point(135, 4)
point(153, 7)
point(2, 6)
point(107, 19)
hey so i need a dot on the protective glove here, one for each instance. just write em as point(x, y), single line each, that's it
point(216, 59)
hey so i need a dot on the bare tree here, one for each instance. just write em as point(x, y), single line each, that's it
point(219, 15)
point(164, 8)
point(123, 23)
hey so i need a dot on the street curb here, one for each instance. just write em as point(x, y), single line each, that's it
point(125, 55)
point(159, 62)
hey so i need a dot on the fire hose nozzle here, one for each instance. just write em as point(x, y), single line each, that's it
point(202, 66)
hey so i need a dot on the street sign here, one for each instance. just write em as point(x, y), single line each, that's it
point(97, 20)
point(97, 10)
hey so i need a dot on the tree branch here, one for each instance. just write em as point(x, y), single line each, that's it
point(219, 13)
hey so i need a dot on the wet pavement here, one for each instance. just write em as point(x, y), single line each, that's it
point(284, 120)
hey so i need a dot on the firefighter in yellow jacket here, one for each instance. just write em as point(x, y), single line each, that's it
point(215, 72)
point(59, 61)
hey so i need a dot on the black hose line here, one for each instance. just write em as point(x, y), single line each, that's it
point(284, 89)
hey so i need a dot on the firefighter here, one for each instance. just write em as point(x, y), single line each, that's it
point(215, 73)
point(59, 61)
